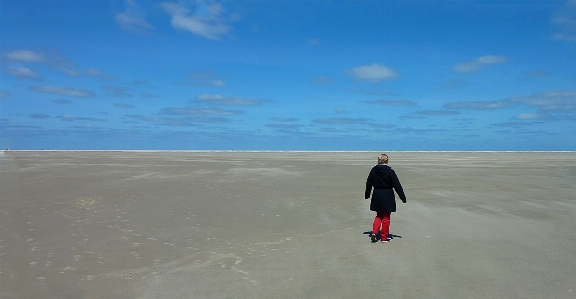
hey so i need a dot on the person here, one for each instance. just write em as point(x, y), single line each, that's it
point(384, 180)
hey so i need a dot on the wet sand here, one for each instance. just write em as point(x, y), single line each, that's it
point(284, 225)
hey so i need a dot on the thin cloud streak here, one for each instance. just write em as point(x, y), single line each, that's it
point(195, 111)
point(62, 90)
point(437, 113)
point(340, 121)
point(558, 101)
point(100, 74)
point(284, 119)
point(117, 91)
point(285, 126)
point(186, 121)
point(124, 105)
point(216, 99)
point(479, 63)
point(69, 117)
point(477, 105)
point(204, 79)
point(39, 116)
point(399, 103)
point(533, 116)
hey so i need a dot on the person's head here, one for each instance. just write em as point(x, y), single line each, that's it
point(383, 159)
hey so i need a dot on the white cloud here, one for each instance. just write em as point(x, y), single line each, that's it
point(62, 90)
point(133, 18)
point(478, 63)
point(231, 101)
point(207, 21)
point(372, 73)
point(25, 56)
point(55, 62)
point(24, 72)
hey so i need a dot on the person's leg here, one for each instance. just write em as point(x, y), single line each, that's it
point(385, 225)
point(376, 225)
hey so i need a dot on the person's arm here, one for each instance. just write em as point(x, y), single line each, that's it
point(398, 187)
point(368, 186)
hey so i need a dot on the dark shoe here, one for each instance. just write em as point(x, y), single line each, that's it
point(373, 237)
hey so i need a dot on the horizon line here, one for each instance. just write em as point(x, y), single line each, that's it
point(302, 151)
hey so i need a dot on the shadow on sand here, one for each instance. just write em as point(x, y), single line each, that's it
point(378, 237)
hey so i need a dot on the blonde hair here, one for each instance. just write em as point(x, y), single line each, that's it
point(383, 159)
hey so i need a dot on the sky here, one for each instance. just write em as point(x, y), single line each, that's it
point(288, 75)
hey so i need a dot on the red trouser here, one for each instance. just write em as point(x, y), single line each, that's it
point(382, 219)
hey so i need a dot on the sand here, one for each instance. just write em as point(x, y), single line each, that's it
point(92, 224)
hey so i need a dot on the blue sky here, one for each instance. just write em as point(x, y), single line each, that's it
point(288, 75)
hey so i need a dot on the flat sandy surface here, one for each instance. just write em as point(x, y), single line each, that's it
point(284, 225)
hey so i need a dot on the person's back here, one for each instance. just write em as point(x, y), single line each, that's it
point(383, 176)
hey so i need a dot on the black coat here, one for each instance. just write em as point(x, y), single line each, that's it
point(384, 180)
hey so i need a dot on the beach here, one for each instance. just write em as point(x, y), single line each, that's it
point(228, 224)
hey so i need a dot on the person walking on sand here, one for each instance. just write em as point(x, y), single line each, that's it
point(384, 180)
